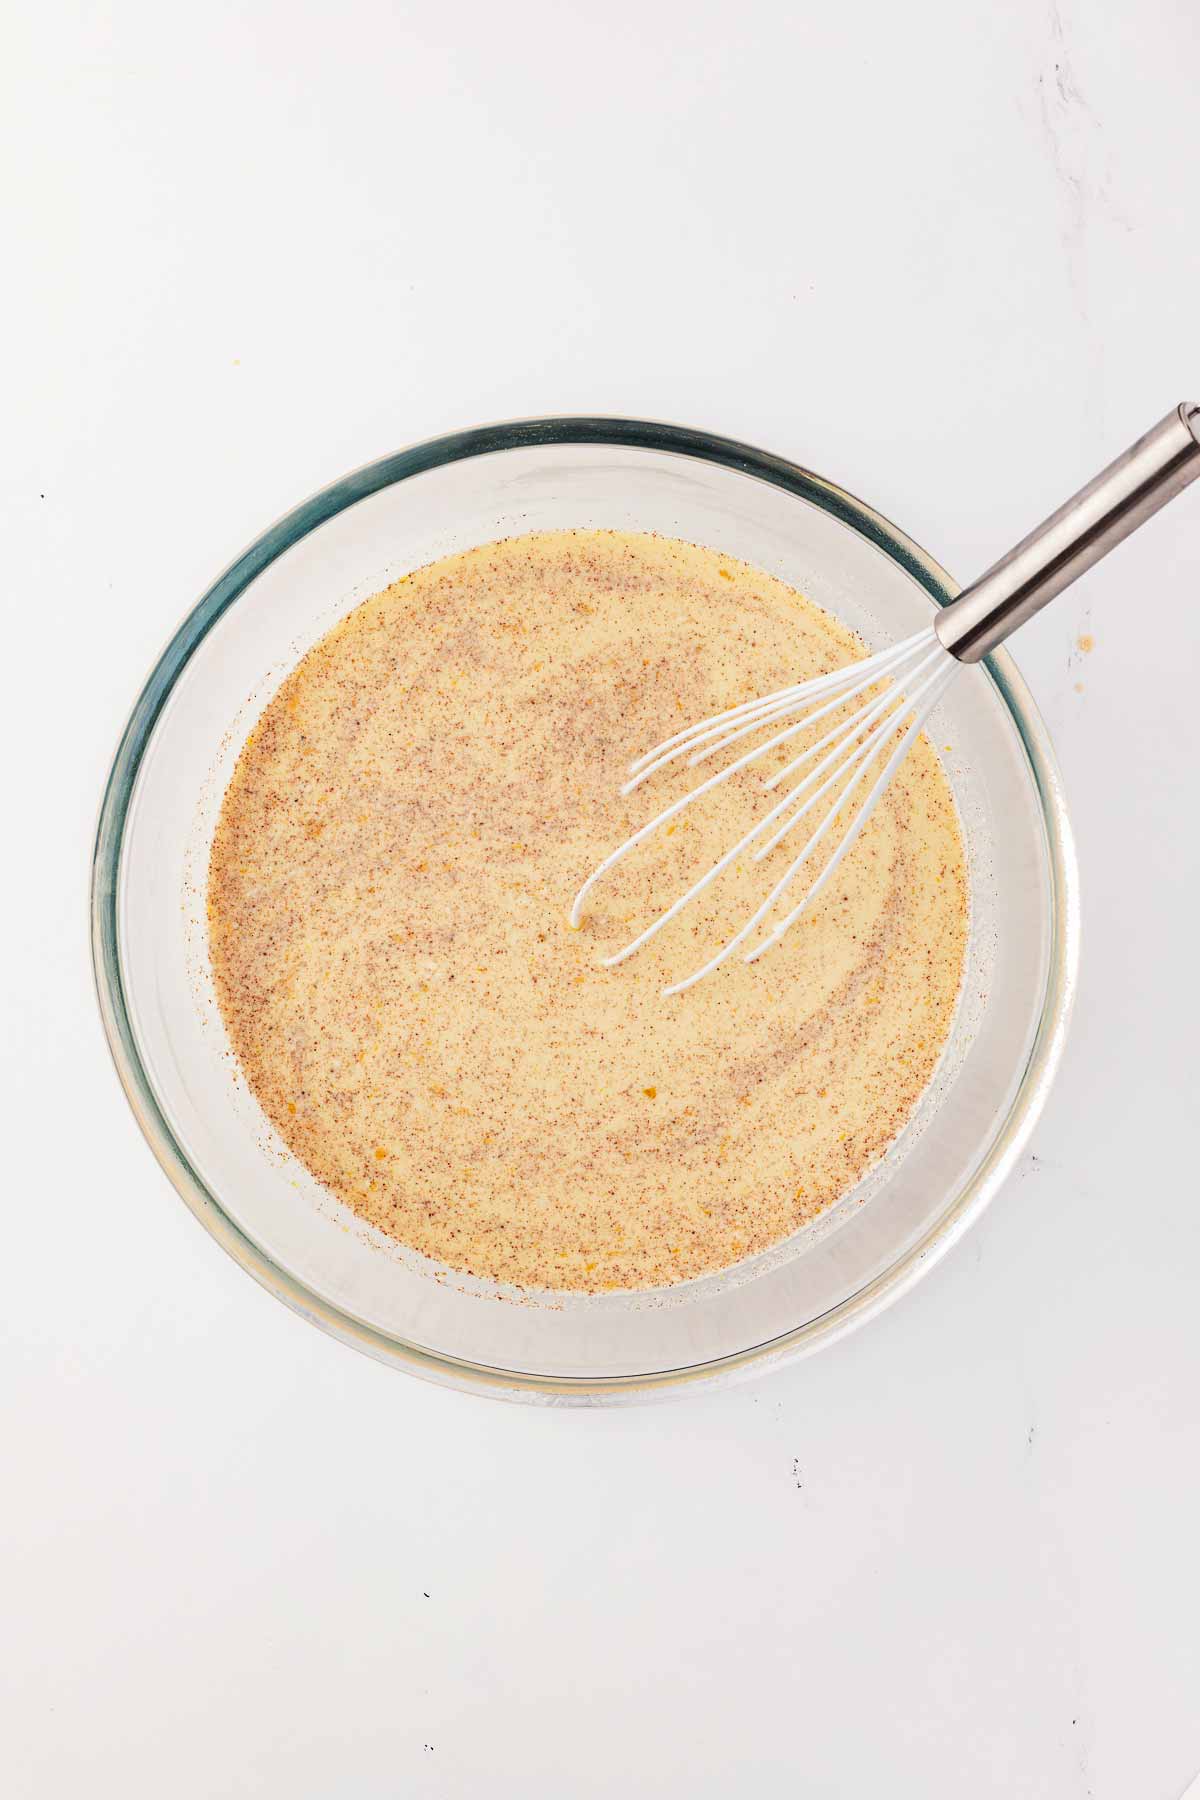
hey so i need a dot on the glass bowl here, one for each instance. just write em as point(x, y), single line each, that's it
point(154, 983)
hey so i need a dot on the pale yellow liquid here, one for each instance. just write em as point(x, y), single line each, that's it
point(391, 876)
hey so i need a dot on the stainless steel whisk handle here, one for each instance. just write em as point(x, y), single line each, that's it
point(1122, 497)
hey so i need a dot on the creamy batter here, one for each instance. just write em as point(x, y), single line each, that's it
point(390, 881)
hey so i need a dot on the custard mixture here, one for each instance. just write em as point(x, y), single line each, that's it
point(391, 876)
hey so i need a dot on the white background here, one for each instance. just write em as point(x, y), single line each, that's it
point(945, 253)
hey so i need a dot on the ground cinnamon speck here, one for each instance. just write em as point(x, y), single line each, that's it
point(395, 855)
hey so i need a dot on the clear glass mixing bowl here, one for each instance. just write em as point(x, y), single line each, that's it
point(154, 983)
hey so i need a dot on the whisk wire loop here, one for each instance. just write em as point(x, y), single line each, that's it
point(916, 672)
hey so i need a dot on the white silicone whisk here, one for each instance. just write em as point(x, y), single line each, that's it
point(852, 763)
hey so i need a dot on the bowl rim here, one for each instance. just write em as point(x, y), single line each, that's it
point(1045, 1051)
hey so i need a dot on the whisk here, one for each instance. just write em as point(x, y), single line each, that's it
point(851, 764)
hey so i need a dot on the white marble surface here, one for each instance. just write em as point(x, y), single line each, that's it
point(945, 253)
